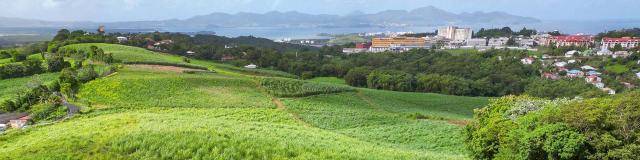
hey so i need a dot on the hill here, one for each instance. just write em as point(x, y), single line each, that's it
point(145, 112)
point(424, 16)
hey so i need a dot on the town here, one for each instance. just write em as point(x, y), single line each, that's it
point(585, 47)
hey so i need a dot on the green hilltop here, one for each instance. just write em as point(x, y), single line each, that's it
point(170, 112)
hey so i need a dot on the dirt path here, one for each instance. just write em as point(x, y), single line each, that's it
point(295, 116)
point(369, 101)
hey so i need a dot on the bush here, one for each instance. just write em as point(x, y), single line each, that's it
point(87, 74)
point(357, 76)
point(445, 84)
point(531, 128)
point(391, 80)
point(4, 55)
point(56, 63)
point(12, 70)
point(296, 88)
point(33, 66)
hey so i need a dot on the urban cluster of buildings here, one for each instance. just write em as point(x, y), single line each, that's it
point(449, 37)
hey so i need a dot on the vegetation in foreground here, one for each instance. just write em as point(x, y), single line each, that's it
point(530, 128)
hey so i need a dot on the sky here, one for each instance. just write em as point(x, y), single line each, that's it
point(133, 10)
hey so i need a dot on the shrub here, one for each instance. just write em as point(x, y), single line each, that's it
point(531, 128)
point(12, 70)
point(296, 88)
point(87, 74)
point(56, 63)
point(357, 76)
point(390, 80)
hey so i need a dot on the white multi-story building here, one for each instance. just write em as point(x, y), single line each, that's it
point(624, 42)
point(498, 42)
point(455, 33)
point(477, 42)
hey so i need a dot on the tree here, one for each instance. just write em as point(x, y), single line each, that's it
point(62, 35)
point(511, 42)
point(55, 63)
point(617, 47)
point(357, 76)
point(33, 66)
point(69, 83)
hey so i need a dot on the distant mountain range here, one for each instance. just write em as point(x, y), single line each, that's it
point(426, 16)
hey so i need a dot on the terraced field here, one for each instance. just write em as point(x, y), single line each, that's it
point(151, 113)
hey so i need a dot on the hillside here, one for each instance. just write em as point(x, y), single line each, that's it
point(150, 112)
point(424, 16)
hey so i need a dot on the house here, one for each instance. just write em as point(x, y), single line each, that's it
point(599, 85)
point(227, 57)
point(575, 73)
point(191, 53)
point(20, 122)
point(604, 51)
point(571, 53)
point(528, 60)
point(588, 68)
point(477, 42)
point(498, 42)
point(354, 50)
point(560, 64)
point(7, 118)
point(122, 39)
point(251, 66)
point(638, 74)
point(591, 73)
point(620, 54)
point(609, 91)
point(551, 76)
point(624, 42)
point(593, 79)
point(525, 42)
point(572, 40)
point(572, 61)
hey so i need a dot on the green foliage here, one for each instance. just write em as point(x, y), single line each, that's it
point(529, 128)
point(562, 89)
point(56, 63)
point(357, 76)
point(445, 84)
point(390, 80)
point(283, 87)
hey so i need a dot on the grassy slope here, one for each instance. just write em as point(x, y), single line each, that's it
point(150, 114)
point(332, 80)
point(10, 87)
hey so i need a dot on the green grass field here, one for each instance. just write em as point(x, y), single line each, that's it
point(331, 80)
point(146, 113)
point(11, 87)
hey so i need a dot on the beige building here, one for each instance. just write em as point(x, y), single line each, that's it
point(455, 33)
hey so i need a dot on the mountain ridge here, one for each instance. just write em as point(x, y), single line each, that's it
point(423, 16)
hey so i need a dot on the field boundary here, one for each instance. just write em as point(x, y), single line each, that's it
point(296, 117)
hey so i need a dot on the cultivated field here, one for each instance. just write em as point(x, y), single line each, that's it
point(158, 113)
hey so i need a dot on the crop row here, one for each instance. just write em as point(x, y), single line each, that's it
point(283, 87)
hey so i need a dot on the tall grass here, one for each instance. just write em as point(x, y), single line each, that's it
point(284, 87)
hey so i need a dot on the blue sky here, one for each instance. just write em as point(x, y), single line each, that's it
point(126, 10)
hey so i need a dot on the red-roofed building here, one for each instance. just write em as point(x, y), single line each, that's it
point(573, 40)
point(625, 42)
point(363, 45)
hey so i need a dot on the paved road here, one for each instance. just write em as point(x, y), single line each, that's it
point(71, 108)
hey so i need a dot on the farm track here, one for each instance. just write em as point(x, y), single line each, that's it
point(295, 116)
point(369, 101)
